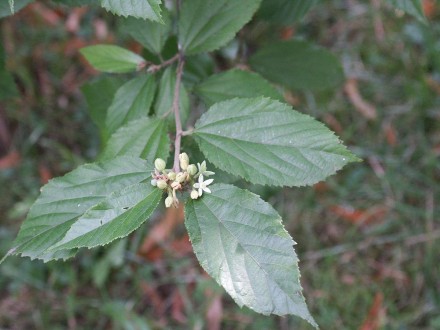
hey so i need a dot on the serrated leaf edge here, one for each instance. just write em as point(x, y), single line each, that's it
point(280, 220)
point(222, 45)
point(350, 156)
point(57, 247)
point(12, 251)
point(158, 15)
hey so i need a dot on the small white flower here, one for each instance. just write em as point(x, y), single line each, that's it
point(202, 186)
point(202, 169)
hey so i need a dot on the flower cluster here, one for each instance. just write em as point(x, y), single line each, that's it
point(191, 178)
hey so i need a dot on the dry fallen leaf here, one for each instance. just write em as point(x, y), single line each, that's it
point(214, 313)
point(162, 230)
point(376, 314)
point(177, 307)
point(333, 123)
point(49, 16)
point(45, 173)
point(371, 215)
point(430, 8)
point(154, 299)
point(11, 160)
point(363, 107)
point(287, 33)
point(390, 134)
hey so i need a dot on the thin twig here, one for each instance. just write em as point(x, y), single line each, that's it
point(176, 110)
point(188, 132)
point(156, 67)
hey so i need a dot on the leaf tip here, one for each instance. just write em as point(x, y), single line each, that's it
point(352, 158)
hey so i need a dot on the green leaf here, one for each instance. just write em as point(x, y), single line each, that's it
point(266, 142)
point(64, 200)
point(285, 12)
point(235, 83)
point(145, 137)
point(298, 64)
point(132, 101)
point(164, 101)
point(411, 7)
point(8, 8)
point(240, 241)
point(99, 95)
point(206, 25)
point(117, 216)
point(151, 35)
point(146, 9)
point(112, 59)
point(197, 68)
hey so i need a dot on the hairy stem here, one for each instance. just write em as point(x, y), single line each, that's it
point(176, 110)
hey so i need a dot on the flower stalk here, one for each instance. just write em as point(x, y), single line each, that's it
point(176, 111)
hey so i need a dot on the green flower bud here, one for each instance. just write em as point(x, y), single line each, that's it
point(180, 177)
point(184, 160)
point(192, 169)
point(159, 164)
point(169, 201)
point(171, 176)
point(194, 194)
point(162, 184)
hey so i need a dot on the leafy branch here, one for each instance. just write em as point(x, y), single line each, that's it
point(247, 130)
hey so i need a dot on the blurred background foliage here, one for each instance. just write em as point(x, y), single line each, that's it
point(368, 238)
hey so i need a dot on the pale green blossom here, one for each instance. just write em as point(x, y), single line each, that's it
point(202, 169)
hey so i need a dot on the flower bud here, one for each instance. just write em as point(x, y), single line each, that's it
point(171, 176)
point(154, 182)
point(176, 185)
point(192, 169)
point(184, 160)
point(162, 184)
point(169, 201)
point(194, 194)
point(180, 177)
point(160, 164)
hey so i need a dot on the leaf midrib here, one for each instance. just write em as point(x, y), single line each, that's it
point(267, 277)
point(266, 144)
point(107, 224)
